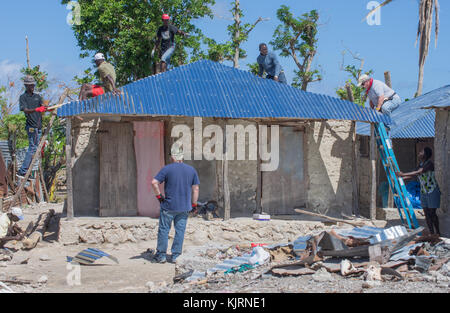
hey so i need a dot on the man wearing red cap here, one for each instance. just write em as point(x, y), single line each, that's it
point(166, 37)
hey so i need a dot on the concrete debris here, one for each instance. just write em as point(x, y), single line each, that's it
point(44, 258)
point(322, 275)
point(42, 280)
point(373, 273)
point(4, 288)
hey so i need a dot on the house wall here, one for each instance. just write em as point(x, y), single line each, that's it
point(327, 157)
point(442, 155)
point(329, 167)
point(85, 168)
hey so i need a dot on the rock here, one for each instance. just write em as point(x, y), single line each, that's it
point(91, 236)
point(211, 253)
point(68, 233)
point(115, 235)
point(322, 275)
point(44, 258)
point(43, 279)
point(150, 286)
point(370, 284)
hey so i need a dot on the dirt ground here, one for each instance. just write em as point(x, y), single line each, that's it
point(47, 271)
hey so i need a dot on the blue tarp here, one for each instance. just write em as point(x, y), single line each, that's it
point(412, 189)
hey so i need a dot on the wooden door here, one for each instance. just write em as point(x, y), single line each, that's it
point(284, 188)
point(117, 170)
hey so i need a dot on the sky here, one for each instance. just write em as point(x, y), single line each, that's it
point(389, 46)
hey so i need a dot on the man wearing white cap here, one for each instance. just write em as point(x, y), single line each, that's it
point(8, 228)
point(381, 96)
point(108, 77)
point(181, 191)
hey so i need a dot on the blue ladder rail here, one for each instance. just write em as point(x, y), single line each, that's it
point(396, 184)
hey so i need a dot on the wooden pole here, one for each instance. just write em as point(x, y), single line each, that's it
point(69, 168)
point(39, 148)
point(373, 191)
point(41, 176)
point(387, 79)
point(258, 173)
point(226, 187)
point(355, 178)
point(28, 53)
point(357, 224)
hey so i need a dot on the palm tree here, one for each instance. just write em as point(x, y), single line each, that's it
point(423, 32)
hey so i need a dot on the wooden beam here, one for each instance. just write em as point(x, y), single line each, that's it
point(355, 172)
point(258, 172)
point(69, 169)
point(387, 80)
point(39, 148)
point(38, 234)
point(226, 187)
point(373, 190)
point(357, 224)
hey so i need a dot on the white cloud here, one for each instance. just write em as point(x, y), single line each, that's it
point(9, 71)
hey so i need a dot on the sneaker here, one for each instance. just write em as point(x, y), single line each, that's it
point(173, 259)
point(159, 259)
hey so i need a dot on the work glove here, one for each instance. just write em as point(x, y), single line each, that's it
point(194, 208)
point(41, 109)
point(160, 198)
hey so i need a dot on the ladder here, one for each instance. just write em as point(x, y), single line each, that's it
point(396, 184)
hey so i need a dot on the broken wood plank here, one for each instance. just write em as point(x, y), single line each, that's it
point(357, 224)
point(38, 234)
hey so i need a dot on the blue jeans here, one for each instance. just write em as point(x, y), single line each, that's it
point(33, 142)
point(389, 106)
point(168, 54)
point(281, 78)
point(165, 222)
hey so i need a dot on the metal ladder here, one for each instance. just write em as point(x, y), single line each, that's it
point(396, 184)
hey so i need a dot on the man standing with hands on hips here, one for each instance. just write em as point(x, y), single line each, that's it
point(181, 189)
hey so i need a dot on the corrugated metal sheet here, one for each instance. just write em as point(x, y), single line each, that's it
point(439, 98)
point(20, 155)
point(410, 120)
point(374, 234)
point(210, 89)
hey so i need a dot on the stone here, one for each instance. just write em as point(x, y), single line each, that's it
point(151, 287)
point(91, 236)
point(43, 279)
point(44, 258)
point(322, 275)
point(68, 234)
point(115, 235)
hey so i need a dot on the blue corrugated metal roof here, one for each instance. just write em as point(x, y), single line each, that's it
point(210, 89)
point(410, 120)
point(438, 98)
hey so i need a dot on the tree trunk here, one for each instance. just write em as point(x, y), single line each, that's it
point(237, 24)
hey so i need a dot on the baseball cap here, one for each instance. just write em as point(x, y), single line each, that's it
point(166, 17)
point(99, 56)
point(362, 79)
point(177, 152)
point(17, 212)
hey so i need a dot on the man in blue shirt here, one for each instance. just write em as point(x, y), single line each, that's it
point(268, 62)
point(181, 191)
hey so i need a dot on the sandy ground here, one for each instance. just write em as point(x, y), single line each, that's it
point(135, 271)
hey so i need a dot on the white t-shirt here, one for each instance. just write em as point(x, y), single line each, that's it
point(379, 89)
point(4, 225)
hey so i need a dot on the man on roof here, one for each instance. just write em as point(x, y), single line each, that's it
point(165, 44)
point(268, 62)
point(381, 96)
point(107, 75)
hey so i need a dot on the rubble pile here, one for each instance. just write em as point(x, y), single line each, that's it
point(374, 256)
